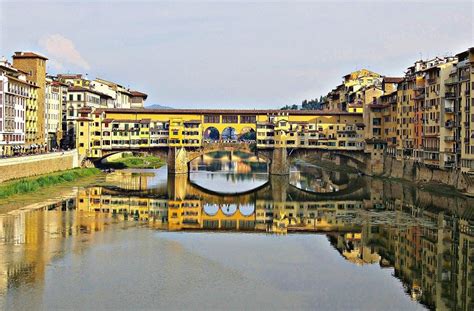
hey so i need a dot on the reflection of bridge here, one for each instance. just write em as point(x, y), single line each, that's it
point(182, 135)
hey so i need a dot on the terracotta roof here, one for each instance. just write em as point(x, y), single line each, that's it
point(28, 55)
point(227, 111)
point(138, 94)
point(70, 76)
point(392, 79)
point(59, 83)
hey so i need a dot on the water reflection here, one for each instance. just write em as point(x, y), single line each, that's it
point(313, 178)
point(228, 172)
point(426, 239)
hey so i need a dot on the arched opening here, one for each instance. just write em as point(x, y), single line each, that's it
point(211, 209)
point(229, 133)
point(247, 134)
point(211, 134)
point(247, 209)
point(229, 209)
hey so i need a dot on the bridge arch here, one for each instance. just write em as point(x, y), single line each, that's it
point(211, 134)
point(247, 134)
point(229, 133)
point(246, 147)
point(211, 209)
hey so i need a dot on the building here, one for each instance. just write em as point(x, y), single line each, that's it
point(137, 100)
point(56, 96)
point(461, 96)
point(79, 97)
point(17, 94)
point(120, 96)
point(101, 130)
point(34, 65)
point(437, 140)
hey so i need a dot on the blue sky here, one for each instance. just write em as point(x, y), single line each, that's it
point(233, 54)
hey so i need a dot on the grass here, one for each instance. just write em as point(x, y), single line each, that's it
point(31, 184)
point(130, 161)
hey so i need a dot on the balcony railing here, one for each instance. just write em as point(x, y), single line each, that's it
point(452, 80)
point(464, 76)
point(448, 138)
point(449, 124)
point(449, 164)
point(450, 95)
point(448, 109)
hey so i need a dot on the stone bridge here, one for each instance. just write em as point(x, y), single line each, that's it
point(278, 158)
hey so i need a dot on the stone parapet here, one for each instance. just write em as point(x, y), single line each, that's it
point(26, 166)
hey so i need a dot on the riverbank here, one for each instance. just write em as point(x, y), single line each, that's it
point(32, 184)
point(36, 165)
point(433, 186)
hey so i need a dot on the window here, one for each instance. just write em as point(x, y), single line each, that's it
point(248, 119)
point(71, 97)
point(230, 119)
point(209, 118)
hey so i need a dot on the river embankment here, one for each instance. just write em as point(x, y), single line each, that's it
point(40, 164)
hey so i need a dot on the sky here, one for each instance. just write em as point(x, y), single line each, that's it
point(233, 54)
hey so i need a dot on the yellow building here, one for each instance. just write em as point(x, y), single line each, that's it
point(35, 67)
point(17, 96)
point(127, 129)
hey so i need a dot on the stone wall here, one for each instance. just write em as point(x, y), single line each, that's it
point(19, 167)
point(417, 172)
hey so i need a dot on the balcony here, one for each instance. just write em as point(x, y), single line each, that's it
point(451, 95)
point(464, 76)
point(449, 124)
point(420, 96)
point(432, 80)
point(448, 109)
point(451, 81)
point(449, 138)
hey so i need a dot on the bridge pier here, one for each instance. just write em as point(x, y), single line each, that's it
point(279, 164)
point(177, 160)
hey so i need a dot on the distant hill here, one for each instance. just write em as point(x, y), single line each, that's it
point(156, 106)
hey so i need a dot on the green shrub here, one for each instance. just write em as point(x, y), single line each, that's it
point(33, 184)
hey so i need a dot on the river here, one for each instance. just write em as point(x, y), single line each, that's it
point(229, 236)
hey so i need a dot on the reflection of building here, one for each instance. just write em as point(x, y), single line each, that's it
point(129, 180)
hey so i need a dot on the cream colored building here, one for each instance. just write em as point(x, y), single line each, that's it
point(463, 97)
point(56, 96)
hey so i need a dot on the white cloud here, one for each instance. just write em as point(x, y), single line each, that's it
point(62, 52)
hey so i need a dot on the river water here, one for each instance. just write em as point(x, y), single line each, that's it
point(229, 236)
